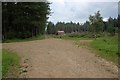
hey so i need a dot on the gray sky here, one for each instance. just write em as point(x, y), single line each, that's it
point(79, 10)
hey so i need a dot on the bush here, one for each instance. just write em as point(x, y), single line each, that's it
point(78, 35)
point(100, 35)
point(74, 35)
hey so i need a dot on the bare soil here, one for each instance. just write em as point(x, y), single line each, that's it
point(56, 58)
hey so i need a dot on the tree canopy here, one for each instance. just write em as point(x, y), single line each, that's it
point(24, 19)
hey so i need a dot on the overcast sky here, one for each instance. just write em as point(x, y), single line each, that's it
point(79, 10)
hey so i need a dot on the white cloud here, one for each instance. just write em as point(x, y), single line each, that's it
point(77, 11)
point(105, 19)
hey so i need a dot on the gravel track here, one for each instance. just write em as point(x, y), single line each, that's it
point(56, 58)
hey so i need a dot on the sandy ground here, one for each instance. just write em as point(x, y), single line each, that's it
point(56, 58)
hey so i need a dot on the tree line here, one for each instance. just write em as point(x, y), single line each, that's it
point(24, 19)
point(94, 25)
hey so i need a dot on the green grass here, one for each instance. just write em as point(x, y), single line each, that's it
point(9, 60)
point(107, 47)
point(24, 40)
point(77, 39)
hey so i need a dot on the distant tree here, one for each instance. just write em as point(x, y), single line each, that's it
point(96, 22)
point(110, 24)
point(86, 26)
point(50, 28)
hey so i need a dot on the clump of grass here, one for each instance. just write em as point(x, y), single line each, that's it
point(107, 47)
point(9, 60)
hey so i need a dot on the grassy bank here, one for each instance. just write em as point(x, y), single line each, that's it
point(107, 47)
point(24, 40)
point(10, 61)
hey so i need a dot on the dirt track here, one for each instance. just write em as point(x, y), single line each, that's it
point(55, 58)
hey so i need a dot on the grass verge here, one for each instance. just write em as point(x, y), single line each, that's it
point(10, 60)
point(24, 40)
point(107, 47)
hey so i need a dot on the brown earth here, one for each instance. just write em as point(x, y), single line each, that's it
point(56, 58)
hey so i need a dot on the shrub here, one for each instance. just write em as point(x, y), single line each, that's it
point(76, 35)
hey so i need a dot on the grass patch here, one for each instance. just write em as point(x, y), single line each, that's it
point(9, 60)
point(77, 39)
point(24, 40)
point(107, 47)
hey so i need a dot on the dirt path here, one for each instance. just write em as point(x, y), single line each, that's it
point(55, 58)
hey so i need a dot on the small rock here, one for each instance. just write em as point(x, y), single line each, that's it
point(25, 65)
point(97, 55)
point(25, 61)
point(24, 70)
point(108, 70)
point(102, 65)
point(95, 61)
point(20, 72)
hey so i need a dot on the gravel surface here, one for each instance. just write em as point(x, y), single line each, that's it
point(56, 58)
